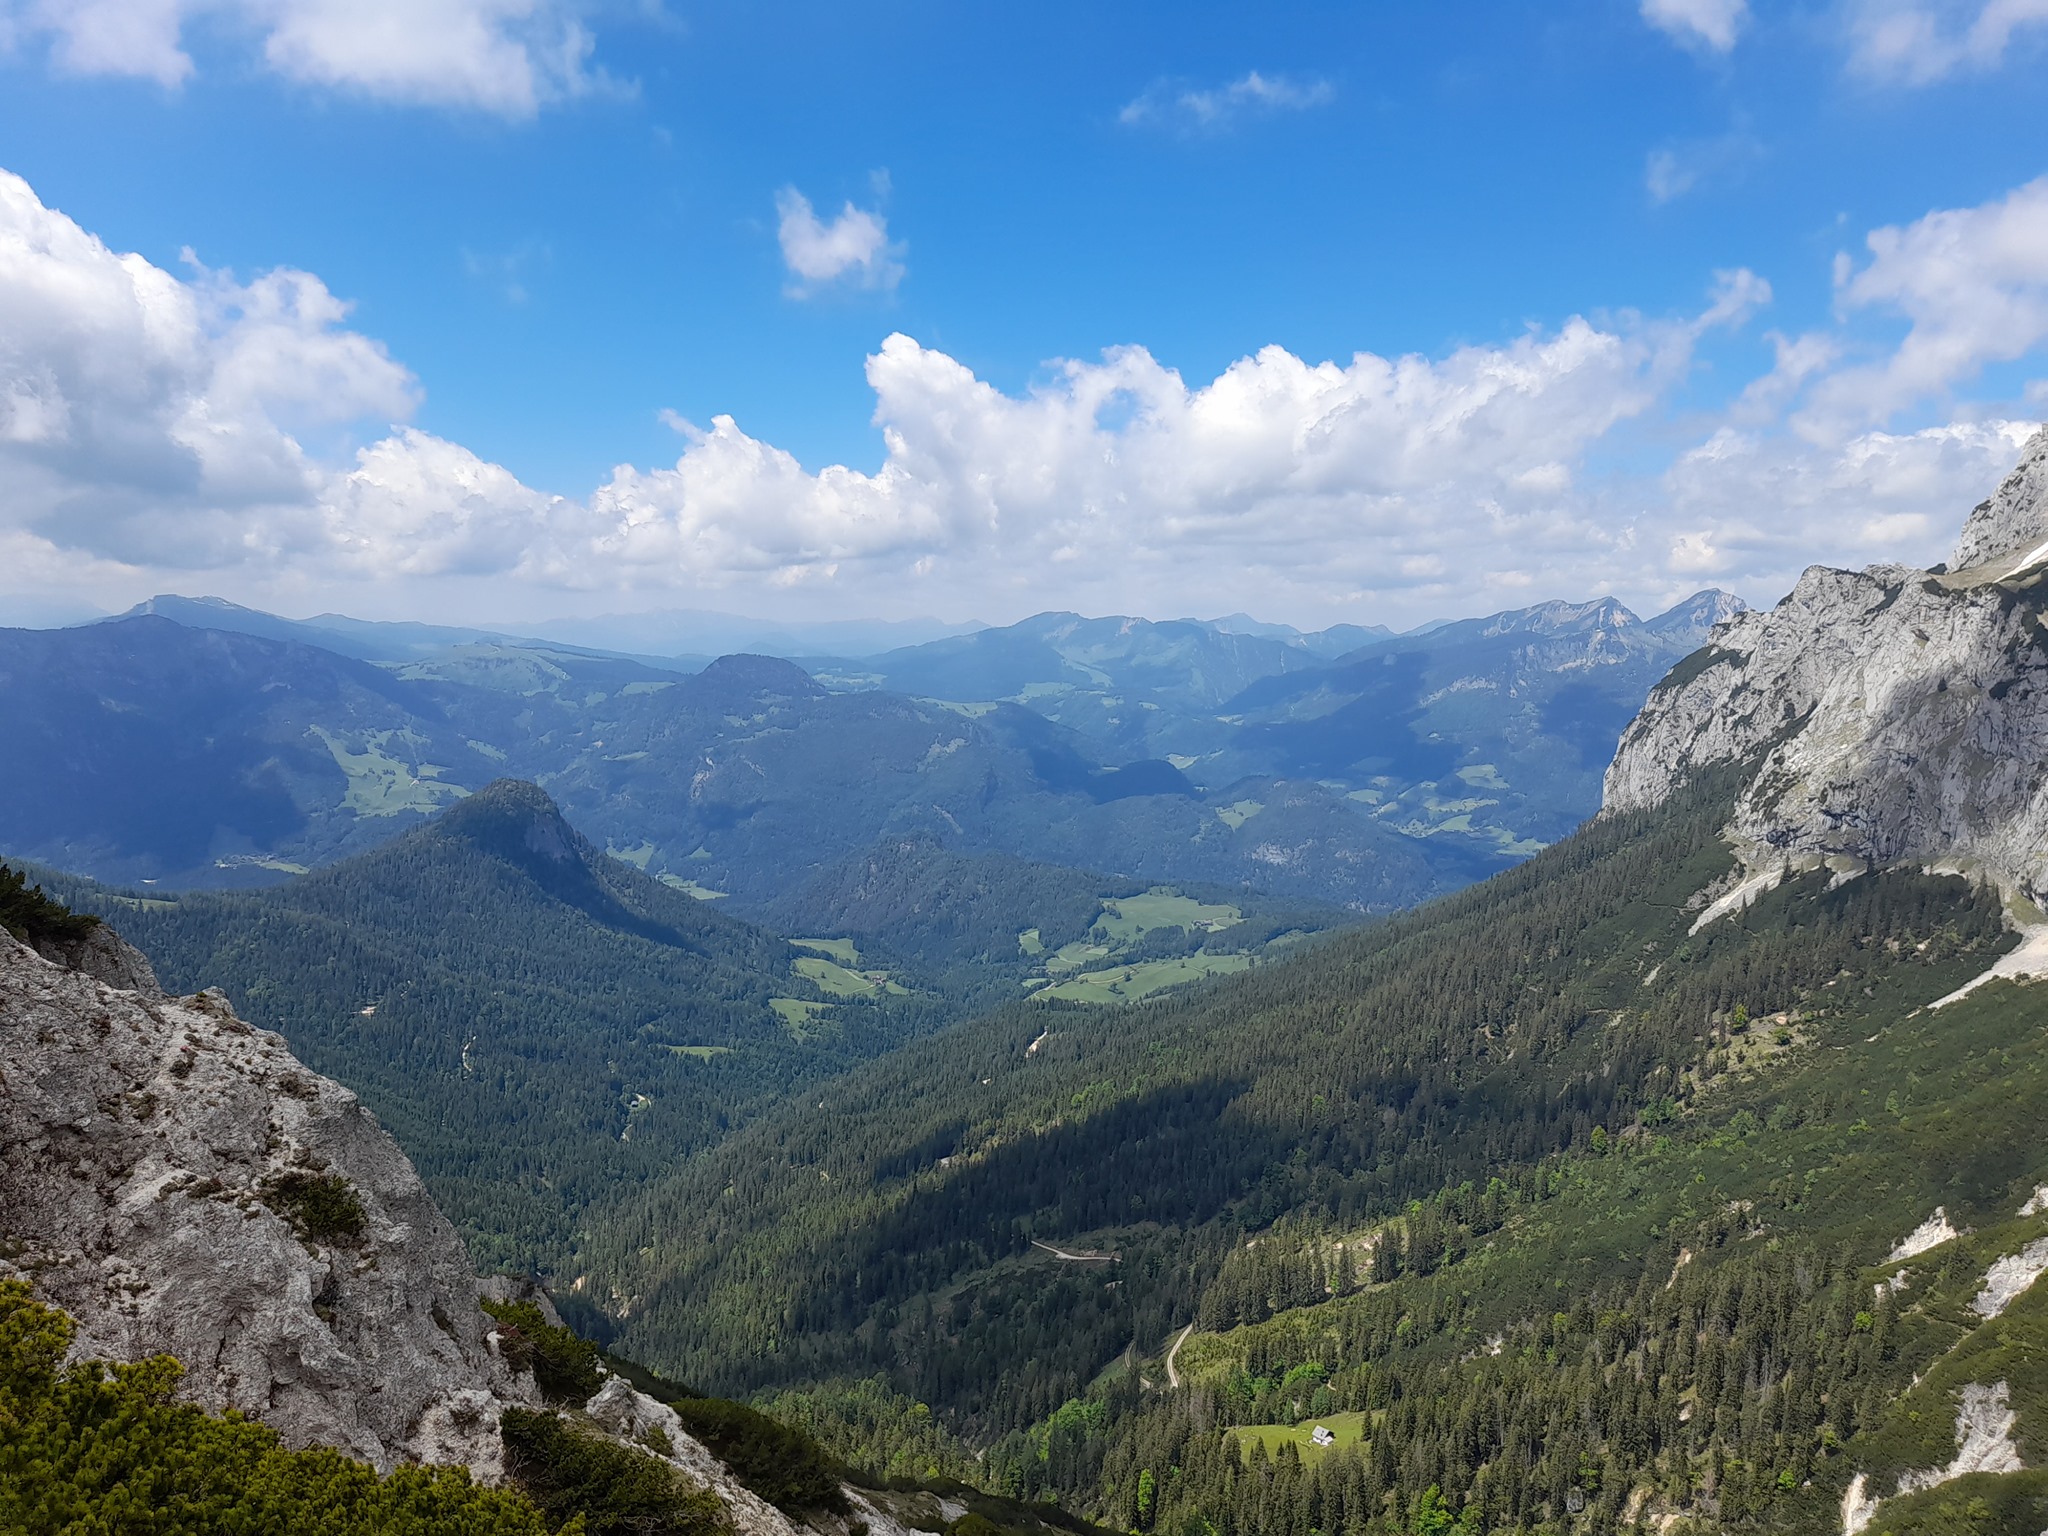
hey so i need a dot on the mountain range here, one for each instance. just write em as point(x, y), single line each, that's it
point(200, 744)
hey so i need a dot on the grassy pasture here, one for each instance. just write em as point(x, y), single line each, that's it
point(1130, 918)
point(1349, 1428)
point(797, 1012)
point(841, 950)
point(838, 981)
point(1128, 983)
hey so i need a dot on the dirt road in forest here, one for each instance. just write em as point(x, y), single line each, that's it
point(1088, 1257)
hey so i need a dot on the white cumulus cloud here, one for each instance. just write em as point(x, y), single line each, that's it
point(1972, 282)
point(852, 250)
point(1221, 106)
point(507, 57)
point(1710, 24)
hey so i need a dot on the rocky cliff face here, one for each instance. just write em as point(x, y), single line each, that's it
point(1892, 714)
point(180, 1184)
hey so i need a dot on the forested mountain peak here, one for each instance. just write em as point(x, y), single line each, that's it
point(745, 679)
point(507, 814)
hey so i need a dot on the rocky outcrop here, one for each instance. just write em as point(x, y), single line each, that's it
point(2015, 519)
point(180, 1184)
point(101, 954)
point(634, 1419)
point(1891, 715)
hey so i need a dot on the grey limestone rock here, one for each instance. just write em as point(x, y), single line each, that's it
point(103, 954)
point(1891, 715)
point(2015, 519)
point(150, 1151)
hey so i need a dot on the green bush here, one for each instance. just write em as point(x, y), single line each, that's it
point(783, 1465)
point(570, 1471)
point(564, 1366)
point(97, 1448)
point(322, 1207)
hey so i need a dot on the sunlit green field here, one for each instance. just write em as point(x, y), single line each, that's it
point(1128, 983)
point(841, 950)
point(1131, 917)
point(1349, 1428)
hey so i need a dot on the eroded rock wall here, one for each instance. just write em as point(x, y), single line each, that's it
point(157, 1157)
point(1894, 714)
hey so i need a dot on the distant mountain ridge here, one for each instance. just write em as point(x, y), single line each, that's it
point(361, 639)
point(1175, 751)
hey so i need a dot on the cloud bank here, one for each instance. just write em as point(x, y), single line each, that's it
point(201, 431)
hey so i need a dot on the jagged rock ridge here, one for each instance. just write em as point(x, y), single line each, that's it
point(1896, 715)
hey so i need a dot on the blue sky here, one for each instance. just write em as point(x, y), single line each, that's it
point(558, 228)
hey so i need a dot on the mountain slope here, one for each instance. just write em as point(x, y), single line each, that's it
point(144, 749)
point(1575, 1084)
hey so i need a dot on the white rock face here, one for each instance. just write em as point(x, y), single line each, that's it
point(138, 1133)
point(1984, 1443)
point(2016, 516)
point(2010, 1277)
point(1984, 1420)
point(1894, 715)
point(1931, 1233)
